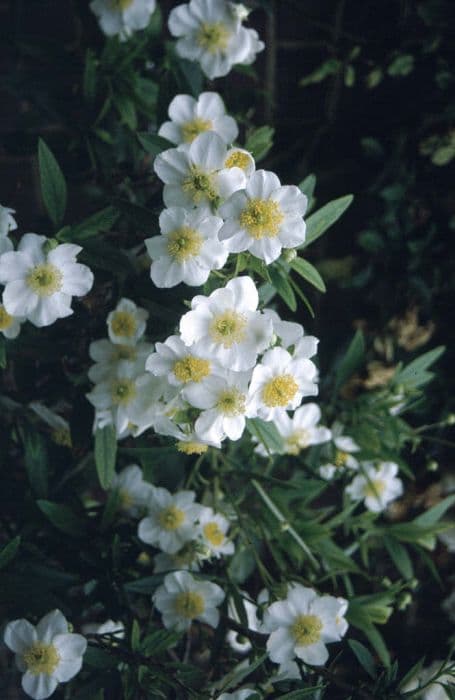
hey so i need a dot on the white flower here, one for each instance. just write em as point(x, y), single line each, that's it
point(212, 532)
point(228, 324)
point(108, 356)
point(191, 117)
point(279, 383)
point(133, 491)
point(301, 626)
point(237, 695)
point(434, 691)
point(122, 17)
point(171, 520)
point(264, 217)
point(289, 333)
point(240, 158)
point(10, 326)
point(61, 432)
point(211, 33)
point(343, 459)
point(7, 221)
point(188, 248)
point(236, 641)
point(178, 363)
point(300, 431)
point(377, 486)
point(126, 324)
point(196, 175)
point(223, 400)
point(182, 599)
point(111, 627)
point(46, 654)
point(40, 284)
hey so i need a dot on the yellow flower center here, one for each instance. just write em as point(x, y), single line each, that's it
point(126, 501)
point(231, 402)
point(62, 436)
point(280, 390)
point(237, 159)
point(306, 630)
point(5, 319)
point(41, 658)
point(184, 243)
point(195, 127)
point(374, 488)
point(191, 369)
point(171, 518)
point(261, 218)
point(228, 328)
point(189, 604)
point(297, 441)
point(123, 391)
point(192, 448)
point(123, 324)
point(213, 534)
point(213, 36)
point(198, 186)
point(340, 458)
point(122, 4)
point(45, 280)
point(125, 352)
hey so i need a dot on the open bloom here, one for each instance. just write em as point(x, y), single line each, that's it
point(40, 283)
point(240, 158)
point(188, 248)
point(126, 324)
point(182, 599)
point(180, 364)
point(300, 431)
point(123, 17)
point(345, 448)
point(196, 175)
point(46, 654)
point(279, 382)
point(109, 356)
point(212, 533)
point(210, 32)
point(377, 486)
point(229, 325)
point(264, 217)
point(191, 117)
point(171, 520)
point(302, 624)
point(133, 491)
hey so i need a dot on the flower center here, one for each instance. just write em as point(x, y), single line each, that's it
point(237, 159)
point(199, 186)
point(121, 4)
point(184, 243)
point(5, 319)
point(195, 127)
point(306, 630)
point(213, 36)
point(45, 280)
point(192, 448)
point(62, 436)
point(340, 458)
point(125, 352)
point(213, 534)
point(123, 391)
point(41, 658)
point(231, 402)
point(297, 441)
point(374, 488)
point(191, 369)
point(189, 604)
point(280, 390)
point(126, 501)
point(261, 218)
point(123, 324)
point(228, 328)
point(171, 518)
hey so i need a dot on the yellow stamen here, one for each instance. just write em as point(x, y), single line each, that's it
point(189, 604)
point(340, 458)
point(41, 658)
point(213, 36)
point(280, 390)
point(261, 218)
point(191, 369)
point(228, 328)
point(5, 319)
point(123, 391)
point(306, 630)
point(184, 243)
point(123, 324)
point(45, 280)
point(195, 127)
point(198, 186)
point(297, 441)
point(192, 448)
point(238, 159)
point(231, 402)
point(62, 436)
point(126, 501)
point(374, 488)
point(213, 534)
point(122, 4)
point(171, 518)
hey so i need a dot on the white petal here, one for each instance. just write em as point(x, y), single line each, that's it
point(208, 151)
point(70, 646)
point(19, 635)
point(38, 685)
point(261, 184)
point(19, 299)
point(50, 625)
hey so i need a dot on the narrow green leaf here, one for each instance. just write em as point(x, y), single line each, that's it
point(62, 517)
point(101, 221)
point(283, 287)
point(127, 110)
point(135, 636)
point(144, 585)
point(53, 185)
point(266, 433)
point(105, 454)
point(154, 144)
point(36, 460)
point(235, 678)
point(9, 551)
point(363, 656)
point(2, 352)
point(260, 141)
point(306, 270)
point(352, 359)
point(158, 641)
point(399, 556)
point(415, 374)
point(324, 218)
point(307, 185)
point(431, 516)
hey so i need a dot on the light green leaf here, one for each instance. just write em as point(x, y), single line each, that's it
point(306, 270)
point(62, 517)
point(352, 359)
point(283, 287)
point(266, 433)
point(399, 556)
point(9, 551)
point(324, 218)
point(363, 656)
point(415, 374)
point(53, 184)
point(431, 516)
point(260, 141)
point(105, 454)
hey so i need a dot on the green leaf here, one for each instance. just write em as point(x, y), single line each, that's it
point(266, 433)
point(135, 636)
point(36, 460)
point(363, 656)
point(260, 141)
point(143, 218)
point(9, 551)
point(399, 556)
point(415, 374)
point(62, 517)
point(431, 516)
point(144, 585)
point(127, 110)
point(101, 221)
point(352, 359)
point(238, 676)
point(53, 185)
point(99, 658)
point(324, 218)
point(283, 287)
point(105, 454)
point(306, 270)
point(154, 144)
point(359, 618)
point(89, 80)
point(329, 67)
point(307, 186)
point(158, 641)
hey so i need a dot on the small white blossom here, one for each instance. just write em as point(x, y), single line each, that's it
point(10, 326)
point(134, 492)
point(191, 117)
point(114, 628)
point(237, 695)
point(126, 324)
point(182, 599)
point(345, 448)
point(46, 654)
point(240, 158)
point(41, 283)
point(212, 533)
point(300, 431)
point(187, 249)
point(264, 217)
point(109, 356)
point(377, 486)
point(180, 364)
point(123, 17)
point(171, 520)
point(7, 221)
